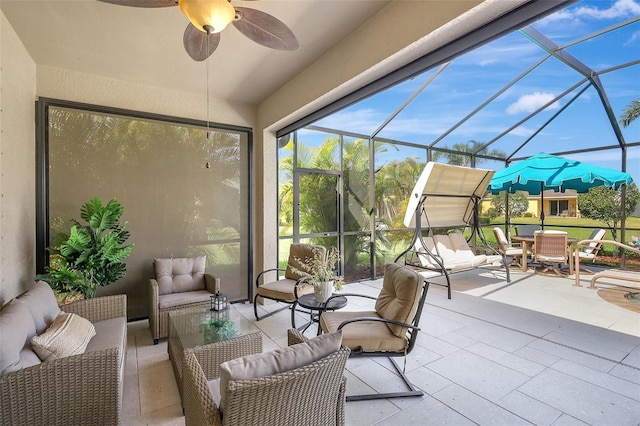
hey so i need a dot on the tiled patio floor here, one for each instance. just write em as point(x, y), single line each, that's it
point(536, 351)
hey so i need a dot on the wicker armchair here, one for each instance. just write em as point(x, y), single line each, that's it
point(79, 389)
point(179, 284)
point(311, 395)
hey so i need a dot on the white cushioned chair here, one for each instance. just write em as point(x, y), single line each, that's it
point(508, 250)
point(288, 288)
point(391, 330)
point(590, 250)
point(179, 283)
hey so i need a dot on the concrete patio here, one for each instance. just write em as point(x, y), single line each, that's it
point(536, 351)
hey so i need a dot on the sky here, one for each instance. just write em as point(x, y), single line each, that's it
point(468, 81)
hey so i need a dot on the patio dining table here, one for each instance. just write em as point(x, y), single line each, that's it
point(525, 240)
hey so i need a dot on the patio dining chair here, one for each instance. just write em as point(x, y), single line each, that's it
point(506, 249)
point(391, 330)
point(289, 287)
point(550, 250)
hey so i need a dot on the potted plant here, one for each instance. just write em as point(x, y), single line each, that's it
point(218, 329)
point(319, 271)
point(91, 254)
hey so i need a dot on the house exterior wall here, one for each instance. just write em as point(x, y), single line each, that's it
point(17, 165)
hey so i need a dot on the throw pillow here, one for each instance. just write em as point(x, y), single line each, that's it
point(277, 361)
point(42, 303)
point(16, 325)
point(69, 334)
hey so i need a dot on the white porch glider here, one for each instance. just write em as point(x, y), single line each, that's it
point(446, 197)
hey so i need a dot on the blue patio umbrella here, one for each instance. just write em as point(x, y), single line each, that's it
point(550, 172)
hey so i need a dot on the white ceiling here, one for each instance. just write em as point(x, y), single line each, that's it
point(144, 45)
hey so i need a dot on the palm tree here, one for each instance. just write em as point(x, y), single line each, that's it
point(630, 113)
point(464, 151)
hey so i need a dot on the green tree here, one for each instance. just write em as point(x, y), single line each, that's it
point(631, 112)
point(464, 151)
point(518, 204)
point(604, 204)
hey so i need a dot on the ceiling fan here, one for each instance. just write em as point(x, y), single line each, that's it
point(209, 17)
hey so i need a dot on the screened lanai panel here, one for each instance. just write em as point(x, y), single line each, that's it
point(582, 125)
point(355, 178)
point(183, 194)
point(397, 170)
point(317, 150)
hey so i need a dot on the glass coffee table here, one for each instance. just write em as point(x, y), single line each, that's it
point(225, 335)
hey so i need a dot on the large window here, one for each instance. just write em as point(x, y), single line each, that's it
point(184, 193)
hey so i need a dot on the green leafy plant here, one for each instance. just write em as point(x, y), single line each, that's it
point(320, 268)
point(91, 254)
point(217, 329)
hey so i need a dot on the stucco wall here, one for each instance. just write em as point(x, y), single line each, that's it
point(17, 160)
point(91, 89)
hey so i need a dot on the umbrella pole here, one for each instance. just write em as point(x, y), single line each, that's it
point(542, 204)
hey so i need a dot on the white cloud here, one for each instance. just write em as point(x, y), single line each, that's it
point(531, 102)
point(619, 9)
point(634, 38)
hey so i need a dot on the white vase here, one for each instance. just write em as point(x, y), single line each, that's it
point(323, 290)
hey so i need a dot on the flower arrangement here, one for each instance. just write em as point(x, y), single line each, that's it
point(319, 269)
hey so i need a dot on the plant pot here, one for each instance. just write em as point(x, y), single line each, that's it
point(323, 290)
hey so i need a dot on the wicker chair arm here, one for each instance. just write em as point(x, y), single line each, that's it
point(212, 355)
point(100, 308)
point(294, 336)
point(212, 283)
point(79, 389)
point(200, 408)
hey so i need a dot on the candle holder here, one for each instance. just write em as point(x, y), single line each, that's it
point(219, 302)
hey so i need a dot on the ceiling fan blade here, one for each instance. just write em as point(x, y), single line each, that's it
point(264, 29)
point(143, 3)
point(195, 43)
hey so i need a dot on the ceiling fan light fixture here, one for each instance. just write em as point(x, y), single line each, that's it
point(208, 16)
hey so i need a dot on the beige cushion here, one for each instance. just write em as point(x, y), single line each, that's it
point(42, 304)
point(16, 325)
point(368, 336)
point(302, 252)
point(168, 301)
point(399, 297)
point(283, 289)
point(68, 335)
point(277, 361)
point(425, 260)
point(180, 274)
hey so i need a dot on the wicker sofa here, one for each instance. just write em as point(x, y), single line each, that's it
point(79, 389)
